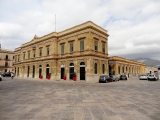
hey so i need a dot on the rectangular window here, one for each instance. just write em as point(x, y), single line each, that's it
point(47, 51)
point(82, 45)
point(62, 49)
point(96, 45)
point(71, 47)
point(18, 57)
point(34, 53)
point(103, 47)
point(28, 55)
point(40, 52)
point(23, 56)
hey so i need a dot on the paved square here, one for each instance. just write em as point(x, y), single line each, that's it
point(22, 99)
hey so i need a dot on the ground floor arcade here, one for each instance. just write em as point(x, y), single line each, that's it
point(118, 66)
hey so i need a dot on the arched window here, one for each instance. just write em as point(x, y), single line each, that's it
point(82, 63)
point(95, 68)
point(103, 69)
point(6, 57)
point(28, 72)
point(71, 64)
point(6, 64)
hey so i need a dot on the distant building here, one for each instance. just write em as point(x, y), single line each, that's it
point(151, 70)
point(6, 60)
point(82, 49)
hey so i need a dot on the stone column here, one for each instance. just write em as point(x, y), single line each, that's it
point(36, 70)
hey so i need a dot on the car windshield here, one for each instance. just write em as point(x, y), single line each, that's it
point(151, 75)
point(123, 75)
point(104, 76)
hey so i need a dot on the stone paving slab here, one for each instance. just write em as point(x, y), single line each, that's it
point(30, 99)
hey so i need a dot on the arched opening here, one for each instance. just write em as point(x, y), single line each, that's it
point(95, 68)
point(110, 70)
point(123, 69)
point(15, 70)
point(47, 70)
point(119, 70)
point(82, 71)
point(6, 64)
point(62, 70)
point(33, 74)
point(71, 70)
point(40, 70)
point(28, 71)
point(18, 71)
point(103, 69)
point(6, 57)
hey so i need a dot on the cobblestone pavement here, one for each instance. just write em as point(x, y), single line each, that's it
point(22, 99)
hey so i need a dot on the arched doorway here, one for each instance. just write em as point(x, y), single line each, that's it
point(40, 70)
point(18, 71)
point(47, 70)
point(33, 74)
point(82, 71)
point(62, 70)
point(15, 70)
point(71, 70)
point(110, 70)
point(28, 72)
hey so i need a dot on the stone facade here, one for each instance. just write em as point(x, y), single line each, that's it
point(82, 50)
point(6, 60)
point(119, 65)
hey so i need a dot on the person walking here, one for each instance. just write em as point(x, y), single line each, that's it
point(12, 75)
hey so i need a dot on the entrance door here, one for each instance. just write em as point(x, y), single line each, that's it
point(47, 70)
point(33, 75)
point(71, 70)
point(27, 73)
point(40, 70)
point(62, 73)
point(82, 71)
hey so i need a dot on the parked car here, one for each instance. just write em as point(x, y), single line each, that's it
point(123, 77)
point(114, 78)
point(105, 78)
point(7, 74)
point(143, 77)
point(152, 77)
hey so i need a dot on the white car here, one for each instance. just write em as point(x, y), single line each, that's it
point(152, 77)
point(143, 77)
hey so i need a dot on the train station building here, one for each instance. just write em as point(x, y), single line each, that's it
point(80, 50)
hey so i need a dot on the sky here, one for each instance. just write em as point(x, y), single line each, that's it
point(133, 25)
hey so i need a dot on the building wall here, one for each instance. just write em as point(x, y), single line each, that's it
point(119, 65)
point(87, 32)
point(6, 60)
point(94, 61)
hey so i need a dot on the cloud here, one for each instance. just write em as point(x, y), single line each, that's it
point(133, 26)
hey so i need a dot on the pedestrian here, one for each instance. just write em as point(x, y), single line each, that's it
point(12, 75)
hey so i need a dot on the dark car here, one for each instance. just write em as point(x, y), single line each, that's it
point(123, 77)
point(105, 78)
point(7, 74)
point(114, 78)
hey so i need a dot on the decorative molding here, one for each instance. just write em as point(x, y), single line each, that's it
point(71, 41)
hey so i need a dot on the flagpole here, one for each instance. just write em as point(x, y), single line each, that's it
point(55, 22)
